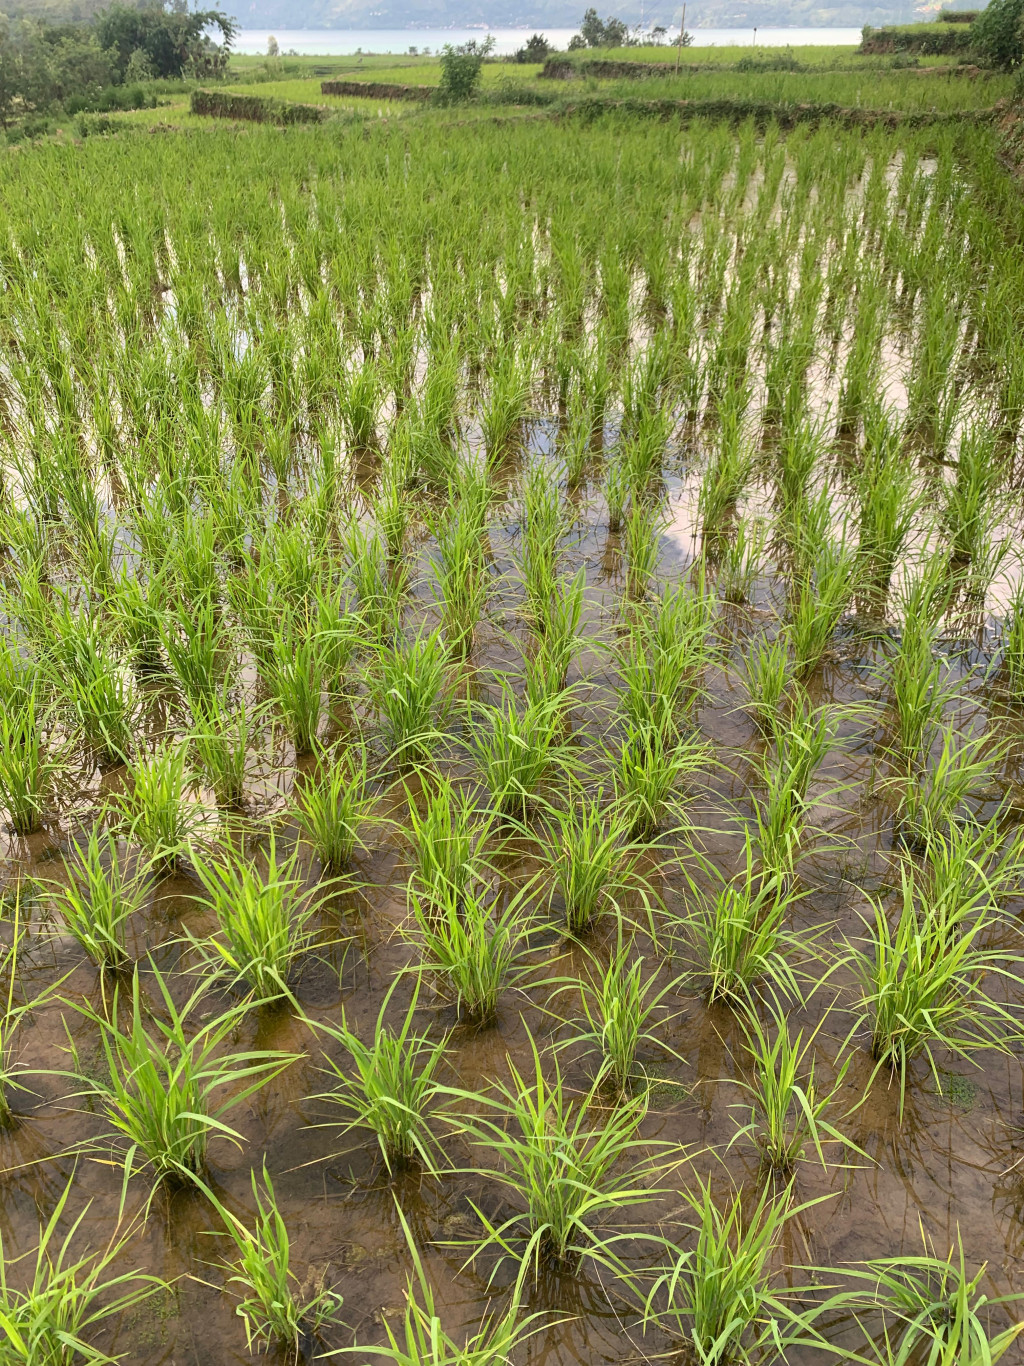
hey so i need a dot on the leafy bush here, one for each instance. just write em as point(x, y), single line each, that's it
point(461, 65)
point(997, 35)
point(934, 40)
point(535, 49)
point(113, 97)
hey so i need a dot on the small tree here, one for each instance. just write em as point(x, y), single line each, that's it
point(592, 29)
point(173, 37)
point(460, 69)
point(535, 49)
point(273, 49)
point(997, 35)
point(596, 32)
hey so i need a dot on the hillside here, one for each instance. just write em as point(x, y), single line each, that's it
point(383, 14)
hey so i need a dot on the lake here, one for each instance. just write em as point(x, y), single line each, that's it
point(339, 42)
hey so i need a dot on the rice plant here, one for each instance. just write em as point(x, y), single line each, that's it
point(461, 574)
point(333, 805)
point(720, 1299)
point(99, 899)
point(616, 495)
point(423, 1340)
point(566, 1166)
point(561, 637)
point(515, 751)
point(930, 801)
point(935, 1310)
point(920, 691)
point(740, 561)
point(31, 762)
point(667, 650)
point(767, 674)
point(277, 1311)
point(472, 948)
point(735, 934)
point(508, 397)
point(541, 534)
point(444, 838)
point(165, 1083)
point(104, 702)
point(971, 500)
point(223, 743)
point(724, 479)
point(1012, 664)
point(156, 810)
point(12, 1013)
point(788, 1110)
point(889, 505)
point(591, 861)
point(650, 775)
point(821, 596)
point(642, 548)
point(922, 982)
point(298, 679)
point(51, 1315)
point(379, 585)
point(407, 684)
point(196, 644)
point(620, 1003)
point(389, 1085)
point(970, 864)
point(265, 919)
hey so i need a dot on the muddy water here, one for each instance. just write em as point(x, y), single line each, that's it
point(953, 1162)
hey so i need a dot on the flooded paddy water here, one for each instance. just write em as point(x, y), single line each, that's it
point(511, 752)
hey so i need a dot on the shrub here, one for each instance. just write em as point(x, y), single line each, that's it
point(461, 64)
point(997, 35)
point(535, 49)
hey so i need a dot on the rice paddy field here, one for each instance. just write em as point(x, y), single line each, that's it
point(871, 83)
point(510, 748)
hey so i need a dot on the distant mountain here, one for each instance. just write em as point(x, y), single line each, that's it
point(287, 14)
point(378, 14)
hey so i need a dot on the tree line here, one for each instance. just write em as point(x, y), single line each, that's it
point(45, 66)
